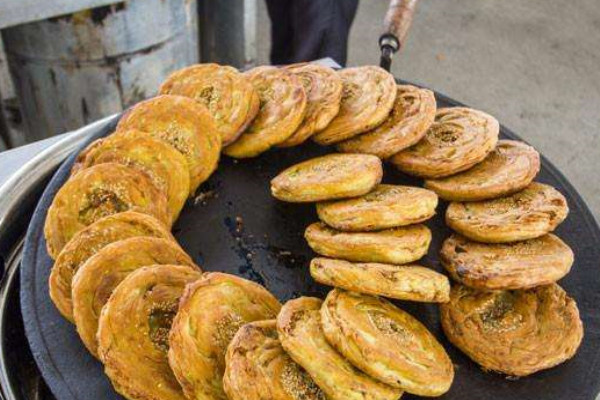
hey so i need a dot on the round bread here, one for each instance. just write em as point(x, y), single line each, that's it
point(228, 95)
point(386, 206)
point(530, 213)
point(402, 282)
point(257, 368)
point(97, 192)
point(164, 165)
point(88, 242)
point(368, 97)
point(96, 279)
point(517, 265)
point(458, 139)
point(282, 109)
point(323, 89)
point(515, 332)
point(510, 167)
point(412, 114)
point(386, 343)
point(133, 331)
point(210, 313)
point(392, 246)
point(301, 335)
point(329, 177)
point(184, 124)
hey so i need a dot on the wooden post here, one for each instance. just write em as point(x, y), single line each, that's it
point(228, 32)
point(72, 70)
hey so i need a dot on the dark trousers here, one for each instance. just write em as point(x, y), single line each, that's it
point(305, 30)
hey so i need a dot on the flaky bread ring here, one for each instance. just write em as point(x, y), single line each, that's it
point(98, 277)
point(133, 330)
point(227, 93)
point(301, 335)
point(392, 246)
point(510, 167)
point(386, 343)
point(257, 368)
point(323, 89)
point(410, 118)
point(166, 167)
point(210, 313)
point(458, 139)
point(98, 192)
point(402, 282)
point(530, 213)
point(515, 332)
point(386, 206)
point(368, 97)
point(184, 124)
point(518, 265)
point(329, 177)
point(282, 109)
point(88, 242)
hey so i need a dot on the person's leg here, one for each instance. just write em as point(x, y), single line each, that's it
point(281, 31)
point(321, 28)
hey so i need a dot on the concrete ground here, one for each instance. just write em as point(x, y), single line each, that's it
point(535, 65)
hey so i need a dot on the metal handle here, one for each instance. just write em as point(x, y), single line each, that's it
point(396, 25)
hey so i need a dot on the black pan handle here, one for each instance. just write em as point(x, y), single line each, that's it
point(396, 25)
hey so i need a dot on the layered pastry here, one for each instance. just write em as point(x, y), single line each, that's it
point(510, 167)
point(333, 176)
point(515, 332)
point(134, 328)
point(282, 109)
point(257, 368)
point(458, 139)
point(368, 97)
point(323, 89)
point(301, 335)
point(163, 164)
point(89, 241)
point(95, 281)
point(530, 213)
point(386, 206)
point(210, 314)
point(402, 282)
point(393, 246)
point(227, 93)
point(184, 124)
point(412, 114)
point(518, 265)
point(98, 192)
point(386, 343)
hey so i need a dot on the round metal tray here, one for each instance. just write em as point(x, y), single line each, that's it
point(236, 226)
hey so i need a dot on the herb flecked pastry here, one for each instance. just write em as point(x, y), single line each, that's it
point(515, 332)
point(302, 337)
point(386, 343)
point(368, 97)
point(329, 177)
point(282, 109)
point(98, 192)
point(210, 313)
point(534, 211)
point(412, 114)
point(257, 368)
point(134, 328)
point(458, 139)
point(184, 124)
point(98, 277)
point(227, 93)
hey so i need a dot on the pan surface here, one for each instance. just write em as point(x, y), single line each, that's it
point(235, 226)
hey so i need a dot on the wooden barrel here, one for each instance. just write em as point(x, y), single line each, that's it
point(72, 70)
